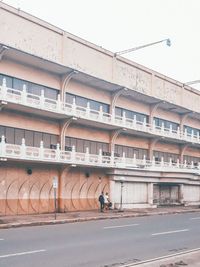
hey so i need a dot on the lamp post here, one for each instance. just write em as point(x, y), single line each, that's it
point(100, 182)
point(122, 179)
point(192, 82)
point(55, 187)
point(167, 41)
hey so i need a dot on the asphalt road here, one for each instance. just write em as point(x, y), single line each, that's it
point(99, 243)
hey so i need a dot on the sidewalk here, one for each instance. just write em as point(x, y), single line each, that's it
point(190, 259)
point(70, 217)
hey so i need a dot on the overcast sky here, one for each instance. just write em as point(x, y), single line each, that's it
point(120, 24)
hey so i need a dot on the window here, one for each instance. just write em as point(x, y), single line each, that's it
point(69, 98)
point(81, 145)
point(31, 88)
point(189, 159)
point(19, 134)
point(32, 138)
point(131, 114)
point(9, 81)
point(130, 151)
point(51, 93)
point(19, 84)
point(2, 131)
point(10, 135)
point(82, 101)
point(190, 129)
point(29, 137)
point(159, 122)
point(166, 156)
point(34, 89)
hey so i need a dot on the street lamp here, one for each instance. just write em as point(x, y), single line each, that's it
point(100, 182)
point(192, 82)
point(122, 179)
point(55, 187)
point(167, 41)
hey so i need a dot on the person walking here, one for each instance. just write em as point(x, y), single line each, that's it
point(102, 201)
point(106, 201)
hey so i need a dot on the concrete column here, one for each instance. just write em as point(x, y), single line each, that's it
point(181, 193)
point(3, 49)
point(114, 98)
point(63, 127)
point(152, 144)
point(153, 109)
point(113, 137)
point(62, 172)
point(183, 118)
point(64, 83)
point(24, 94)
point(182, 152)
point(150, 193)
point(112, 192)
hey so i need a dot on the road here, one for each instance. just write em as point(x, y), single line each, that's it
point(99, 243)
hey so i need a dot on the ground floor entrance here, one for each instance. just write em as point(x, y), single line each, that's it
point(166, 194)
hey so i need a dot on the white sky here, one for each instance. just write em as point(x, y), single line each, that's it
point(120, 24)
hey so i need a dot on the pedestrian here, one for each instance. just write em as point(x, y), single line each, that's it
point(107, 202)
point(102, 201)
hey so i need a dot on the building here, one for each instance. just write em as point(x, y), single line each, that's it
point(72, 110)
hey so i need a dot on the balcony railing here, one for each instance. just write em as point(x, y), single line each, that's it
point(41, 154)
point(41, 102)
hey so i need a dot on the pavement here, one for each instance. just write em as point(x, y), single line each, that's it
point(12, 221)
point(191, 258)
point(188, 259)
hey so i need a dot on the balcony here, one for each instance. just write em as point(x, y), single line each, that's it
point(10, 95)
point(41, 154)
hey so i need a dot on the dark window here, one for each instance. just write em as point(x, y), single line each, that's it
point(29, 138)
point(19, 134)
point(9, 80)
point(10, 135)
point(81, 145)
point(35, 88)
point(50, 93)
point(32, 138)
point(131, 114)
point(130, 151)
point(46, 138)
point(19, 84)
point(86, 144)
point(2, 131)
point(118, 112)
point(31, 88)
point(166, 156)
point(190, 129)
point(69, 98)
point(37, 139)
point(159, 122)
point(82, 101)
point(54, 139)
point(189, 159)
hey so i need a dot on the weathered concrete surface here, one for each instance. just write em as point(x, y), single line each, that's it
point(191, 259)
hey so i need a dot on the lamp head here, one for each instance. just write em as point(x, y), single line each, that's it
point(168, 42)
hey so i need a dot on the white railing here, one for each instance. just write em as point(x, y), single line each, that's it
point(41, 154)
point(41, 102)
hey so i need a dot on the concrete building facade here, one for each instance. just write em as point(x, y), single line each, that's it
point(97, 122)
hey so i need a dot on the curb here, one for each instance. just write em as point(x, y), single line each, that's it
point(160, 260)
point(84, 219)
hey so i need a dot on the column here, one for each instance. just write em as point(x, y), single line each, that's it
point(150, 193)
